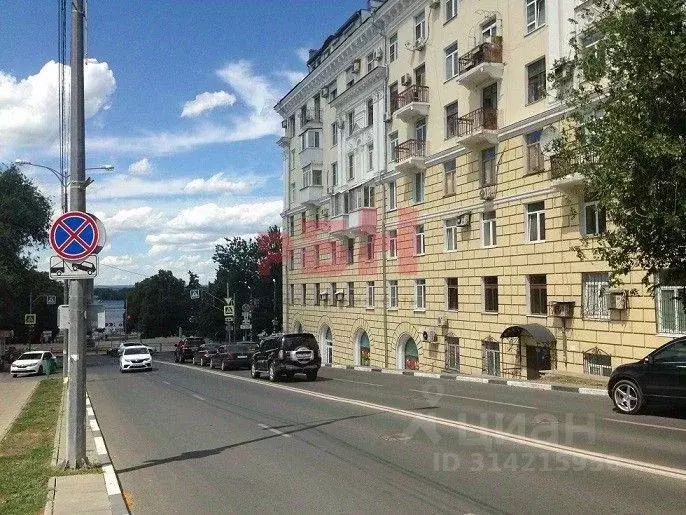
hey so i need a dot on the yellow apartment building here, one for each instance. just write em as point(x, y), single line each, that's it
point(425, 226)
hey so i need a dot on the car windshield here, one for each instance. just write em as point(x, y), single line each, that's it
point(240, 347)
point(135, 350)
point(31, 355)
point(292, 342)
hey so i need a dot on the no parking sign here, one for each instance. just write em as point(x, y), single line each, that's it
point(75, 235)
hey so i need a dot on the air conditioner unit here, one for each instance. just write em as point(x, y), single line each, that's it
point(463, 220)
point(324, 92)
point(419, 44)
point(616, 299)
point(340, 294)
point(429, 335)
point(378, 54)
point(406, 79)
point(356, 66)
point(563, 309)
point(324, 295)
point(442, 321)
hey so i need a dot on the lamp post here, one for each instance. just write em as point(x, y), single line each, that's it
point(275, 321)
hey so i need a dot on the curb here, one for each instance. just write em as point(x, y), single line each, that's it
point(114, 492)
point(477, 379)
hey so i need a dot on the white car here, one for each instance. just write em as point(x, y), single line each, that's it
point(135, 358)
point(124, 345)
point(36, 362)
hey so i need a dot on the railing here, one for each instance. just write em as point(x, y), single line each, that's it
point(414, 93)
point(567, 163)
point(410, 148)
point(598, 370)
point(482, 118)
point(311, 115)
point(489, 52)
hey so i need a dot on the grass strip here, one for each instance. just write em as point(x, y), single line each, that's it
point(26, 452)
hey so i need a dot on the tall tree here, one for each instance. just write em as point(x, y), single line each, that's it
point(158, 305)
point(626, 85)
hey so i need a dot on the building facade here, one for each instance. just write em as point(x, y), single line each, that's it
point(426, 226)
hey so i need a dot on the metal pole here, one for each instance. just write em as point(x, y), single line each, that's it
point(78, 316)
point(65, 284)
point(228, 325)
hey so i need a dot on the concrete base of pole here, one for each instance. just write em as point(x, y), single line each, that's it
point(76, 386)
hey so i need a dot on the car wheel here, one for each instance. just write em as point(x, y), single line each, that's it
point(40, 370)
point(253, 372)
point(223, 366)
point(627, 397)
point(14, 375)
point(176, 359)
point(273, 376)
point(312, 376)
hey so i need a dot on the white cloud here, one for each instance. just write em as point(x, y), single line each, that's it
point(206, 102)
point(217, 183)
point(125, 260)
point(135, 219)
point(29, 106)
point(237, 218)
point(141, 167)
point(303, 54)
point(121, 186)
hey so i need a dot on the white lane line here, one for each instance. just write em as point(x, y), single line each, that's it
point(474, 399)
point(656, 426)
point(199, 397)
point(100, 445)
point(617, 461)
point(89, 411)
point(88, 401)
point(356, 382)
point(94, 425)
point(275, 431)
point(111, 482)
point(166, 382)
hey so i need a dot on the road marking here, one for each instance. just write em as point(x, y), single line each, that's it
point(617, 461)
point(199, 397)
point(94, 425)
point(166, 382)
point(669, 428)
point(356, 382)
point(275, 431)
point(100, 445)
point(89, 411)
point(111, 482)
point(474, 399)
point(88, 401)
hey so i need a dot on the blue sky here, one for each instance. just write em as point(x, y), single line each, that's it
point(179, 99)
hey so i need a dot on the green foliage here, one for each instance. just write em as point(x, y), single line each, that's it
point(628, 96)
point(112, 293)
point(159, 305)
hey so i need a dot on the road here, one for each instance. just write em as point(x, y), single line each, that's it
point(189, 440)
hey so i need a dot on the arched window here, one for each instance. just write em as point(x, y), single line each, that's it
point(407, 355)
point(365, 349)
point(327, 346)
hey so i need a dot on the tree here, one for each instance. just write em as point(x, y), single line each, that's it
point(628, 103)
point(158, 305)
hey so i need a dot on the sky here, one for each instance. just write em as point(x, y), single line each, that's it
point(179, 97)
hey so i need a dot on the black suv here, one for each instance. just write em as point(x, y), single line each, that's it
point(285, 355)
point(186, 348)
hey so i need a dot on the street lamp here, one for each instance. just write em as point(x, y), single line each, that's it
point(61, 177)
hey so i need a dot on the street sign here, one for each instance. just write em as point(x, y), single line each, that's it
point(64, 269)
point(246, 307)
point(75, 235)
point(229, 311)
point(228, 319)
point(30, 319)
point(51, 300)
point(246, 326)
point(195, 294)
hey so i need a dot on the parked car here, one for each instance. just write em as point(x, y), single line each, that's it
point(186, 348)
point(660, 377)
point(35, 362)
point(237, 355)
point(204, 354)
point(135, 358)
point(285, 355)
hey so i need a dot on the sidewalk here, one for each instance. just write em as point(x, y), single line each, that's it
point(15, 394)
point(95, 493)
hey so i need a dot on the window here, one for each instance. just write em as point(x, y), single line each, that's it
point(370, 112)
point(303, 222)
point(291, 160)
point(334, 134)
point(451, 293)
point(351, 167)
point(334, 251)
point(418, 188)
point(534, 156)
point(535, 221)
point(303, 257)
point(304, 294)
point(392, 200)
point(393, 97)
point(351, 251)
point(316, 218)
point(491, 294)
point(538, 295)
point(451, 120)
point(449, 177)
point(370, 294)
point(420, 27)
point(317, 258)
point(488, 167)
point(291, 260)
point(351, 294)
point(420, 294)
point(292, 193)
point(450, 9)
point(333, 294)
point(670, 309)
point(333, 92)
point(488, 229)
point(371, 62)
point(393, 146)
point(312, 177)
point(597, 364)
point(420, 131)
point(594, 288)
point(291, 125)
point(370, 247)
point(594, 219)
point(489, 30)
point(370, 156)
point(351, 122)
point(535, 73)
point(291, 294)
point(451, 230)
point(334, 174)
point(535, 14)
point(675, 353)
point(291, 226)
point(393, 48)
point(451, 61)
point(317, 294)
point(452, 353)
point(393, 294)
point(419, 240)
point(393, 244)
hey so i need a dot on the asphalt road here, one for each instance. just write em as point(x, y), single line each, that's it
point(187, 440)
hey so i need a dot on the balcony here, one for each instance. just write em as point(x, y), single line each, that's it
point(362, 221)
point(284, 141)
point(564, 174)
point(311, 156)
point(481, 64)
point(338, 227)
point(412, 104)
point(410, 156)
point(310, 119)
point(478, 128)
point(311, 194)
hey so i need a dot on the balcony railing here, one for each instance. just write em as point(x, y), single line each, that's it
point(489, 52)
point(310, 116)
point(410, 148)
point(412, 94)
point(562, 165)
point(484, 118)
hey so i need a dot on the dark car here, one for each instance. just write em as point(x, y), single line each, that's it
point(287, 354)
point(187, 348)
point(204, 353)
point(237, 355)
point(660, 377)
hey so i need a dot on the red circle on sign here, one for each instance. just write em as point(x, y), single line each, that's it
point(88, 220)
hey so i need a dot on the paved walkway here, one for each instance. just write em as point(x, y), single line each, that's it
point(14, 394)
